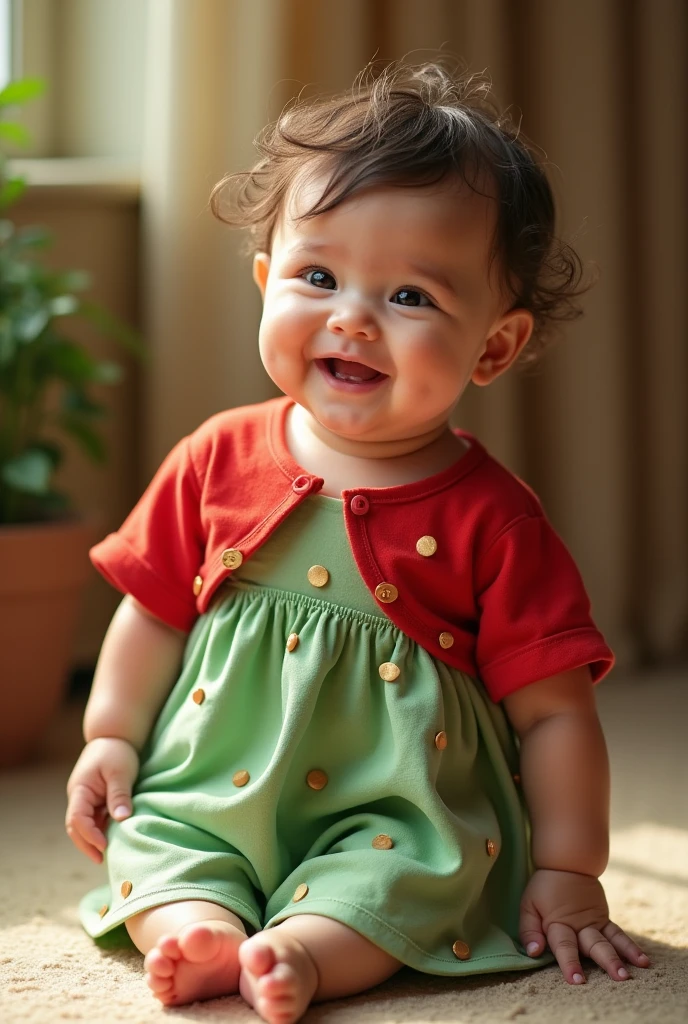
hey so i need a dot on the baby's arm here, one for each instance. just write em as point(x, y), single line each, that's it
point(138, 662)
point(565, 777)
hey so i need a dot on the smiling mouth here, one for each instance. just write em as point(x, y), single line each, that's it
point(350, 372)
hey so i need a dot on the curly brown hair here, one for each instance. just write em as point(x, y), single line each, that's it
point(412, 126)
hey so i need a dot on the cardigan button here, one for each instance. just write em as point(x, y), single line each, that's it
point(426, 546)
point(359, 505)
point(446, 640)
point(386, 592)
point(318, 575)
point(301, 484)
point(231, 558)
point(197, 585)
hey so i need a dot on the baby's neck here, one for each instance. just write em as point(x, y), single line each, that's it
point(343, 467)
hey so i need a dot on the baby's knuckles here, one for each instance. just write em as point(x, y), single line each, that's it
point(564, 897)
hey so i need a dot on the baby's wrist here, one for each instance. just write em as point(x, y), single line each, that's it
point(541, 868)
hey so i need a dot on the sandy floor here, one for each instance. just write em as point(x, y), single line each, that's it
point(50, 971)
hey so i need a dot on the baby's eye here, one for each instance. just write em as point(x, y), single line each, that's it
point(410, 297)
point(320, 278)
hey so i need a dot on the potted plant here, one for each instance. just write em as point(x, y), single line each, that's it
point(46, 396)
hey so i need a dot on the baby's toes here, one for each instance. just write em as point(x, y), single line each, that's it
point(257, 956)
point(158, 964)
point(280, 983)
point(158, 984)
point(169, 945)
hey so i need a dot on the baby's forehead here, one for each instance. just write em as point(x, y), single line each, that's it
point(442, 209)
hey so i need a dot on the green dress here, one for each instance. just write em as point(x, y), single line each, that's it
point(312, 759)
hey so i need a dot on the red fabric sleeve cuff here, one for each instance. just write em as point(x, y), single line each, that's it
point(548, 657)
point(116, 561)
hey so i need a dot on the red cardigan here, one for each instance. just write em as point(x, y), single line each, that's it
point(499, 598)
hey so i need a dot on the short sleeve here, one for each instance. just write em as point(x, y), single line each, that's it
point(156, 553)
point(535, 619)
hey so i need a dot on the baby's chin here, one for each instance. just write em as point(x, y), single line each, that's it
point(365, 442)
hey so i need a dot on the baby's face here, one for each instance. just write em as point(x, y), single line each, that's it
point(377, 313)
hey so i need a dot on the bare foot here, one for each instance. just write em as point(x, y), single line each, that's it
point(278, 977)
point(199, 962)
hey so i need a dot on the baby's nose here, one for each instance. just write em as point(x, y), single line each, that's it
point(354, 322)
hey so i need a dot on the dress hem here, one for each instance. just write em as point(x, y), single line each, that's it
point(394, 942)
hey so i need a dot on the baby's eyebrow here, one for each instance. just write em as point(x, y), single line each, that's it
point(306, 247)
point(436, 274)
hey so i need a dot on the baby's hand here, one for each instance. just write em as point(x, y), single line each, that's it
point(101, 781)
point(571, 911)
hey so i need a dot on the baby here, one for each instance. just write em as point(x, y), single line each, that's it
point(343, 720)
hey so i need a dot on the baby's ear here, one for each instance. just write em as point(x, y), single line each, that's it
point(503, 346)
point(261, 269)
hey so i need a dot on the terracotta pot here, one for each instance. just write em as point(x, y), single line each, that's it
point(43, 570)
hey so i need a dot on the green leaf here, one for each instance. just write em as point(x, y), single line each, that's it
point(15, 133)
point(21, 91)
point(8, 342)
point(33, 238)
point(69, 362)
point(30, 322)
point(108, 373)
point(63, 305)
point(73, 281)
point(28, 472)
point(111, 327)
point(11, 190)
point(53, 451)
point(78, 401)
point(91, 442)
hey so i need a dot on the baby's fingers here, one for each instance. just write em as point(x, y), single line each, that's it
point(595, 945)
point(563, 942)
point(625, 945)
point(80, 824)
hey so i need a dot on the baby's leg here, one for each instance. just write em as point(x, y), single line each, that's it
point(305, 959)
point(191, 950)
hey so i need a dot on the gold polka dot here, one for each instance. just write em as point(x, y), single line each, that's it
point(103, 910)
point(382, 842)
point(461, 950)
point(316, 779)
point(386, 592)
point(389, 671)
point(198, 696)
point(446, 640)
point(426, 546)
point(240, 778)
point(491, 848)
point(292, 641)
point(301, 891)
point(441, 740)
point(231, 558)
point(126, 888)
point(197, 585)
point(318, 575)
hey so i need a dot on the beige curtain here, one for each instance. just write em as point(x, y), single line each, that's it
point(600, 430)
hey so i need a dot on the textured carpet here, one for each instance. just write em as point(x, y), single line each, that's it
point(50, 971)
